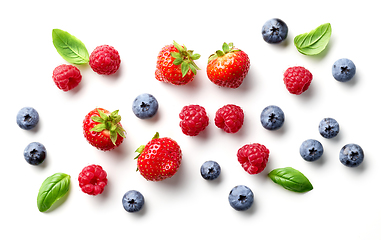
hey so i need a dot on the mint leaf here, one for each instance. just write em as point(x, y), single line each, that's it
point(291, 179)
point(69, 47)
point(51, 190)
point(314, 42)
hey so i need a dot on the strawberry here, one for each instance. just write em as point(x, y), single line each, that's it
point(228, 68)
point(175, 64)
point(159, 159)
point(103, 129)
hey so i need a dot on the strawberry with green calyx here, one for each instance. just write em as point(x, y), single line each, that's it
point(103, 129)
point(229, 67)
point(175, 64)
point(159, 159)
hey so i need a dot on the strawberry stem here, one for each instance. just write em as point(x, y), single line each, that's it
point(185, 58)
point(110, 123)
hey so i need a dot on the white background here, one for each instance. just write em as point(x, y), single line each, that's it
point(345, 202)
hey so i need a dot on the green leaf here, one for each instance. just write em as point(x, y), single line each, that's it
point(225, 47)
point(178, 47)
point(178, 61)
point(184, 68)
point(314, 42)
point(193, 69)
point(51, 190)
point(120, 131)
point(69, 47)
point(291, 179)
point(176, 54)
point(96, 119)
point(195, 56)
point(220, 53)
point(113, 136)
point(99, 127)
point(156, 135)
point(103, 115)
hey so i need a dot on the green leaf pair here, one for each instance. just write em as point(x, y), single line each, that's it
point(314, 42)
point(69, 47)
point(51, 190)
point(185, 58)
point(110, 123)
point(291, 179)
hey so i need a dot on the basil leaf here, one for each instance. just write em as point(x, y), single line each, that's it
point(52, 189)
point(69, 47)
point(314, 42)
point(291, 179)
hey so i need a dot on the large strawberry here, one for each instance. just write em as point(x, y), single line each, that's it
point(175, 64)
point(159, 159)
point(228, 68)
point(103, 129)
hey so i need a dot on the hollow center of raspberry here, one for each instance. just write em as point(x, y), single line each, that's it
point(27, 118)
point(242, 198)
point(272, 118)
point(353, 155)
point(144, 106)
point(344, 70)
point(312, 151)
point(274, 30)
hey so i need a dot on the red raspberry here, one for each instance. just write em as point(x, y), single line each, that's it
point(253, 157)
point(297, 79)
point(92, 180)
point(229, 118)
point(193, 120)
point(66, 77)
point(104, 60)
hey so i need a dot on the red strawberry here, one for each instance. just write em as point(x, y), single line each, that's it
point(103, 129)
point(159, 159)
point(228, 68)
point(175, 64)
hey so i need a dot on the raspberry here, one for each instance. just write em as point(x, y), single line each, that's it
point(193, 120)
point(66, 77)
point(104, 60)
point(297, 79)
point(229, 118)
point(92, 180)
point(253, 157)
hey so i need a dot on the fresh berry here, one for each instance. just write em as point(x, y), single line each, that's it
point(210, 170)
point(159, 159)
point(35, 153)
point(274, 31)
point(27, 118)
point(66, 77)
point(253, 157)
point(241, 198)
point(145, 106)
point(104, 60)
point(329, 128)
point(343, 70)
point(297, 79)
point(175, 64)
point(229, 118)
point(351, 155)
point(272, 117)
point(133, 201)
point(92, 179)
point(228, 67)
point(311, 150)
point(103, 129)
point(193, 120)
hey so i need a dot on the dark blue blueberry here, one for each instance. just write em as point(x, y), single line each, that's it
point(145, 106)
point(329, 128)
point(343, 70)
point(351, 155)
point(272, 117)
point(241, 198)
point(210, 170)
point(133, 201)
point(311, 150)
point(274, 31)
point(35, 153)
point(27, 118)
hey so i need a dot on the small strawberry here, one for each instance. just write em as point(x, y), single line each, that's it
point(175, 64)
point(103, 129)
point(159, 159)
point(228, 68)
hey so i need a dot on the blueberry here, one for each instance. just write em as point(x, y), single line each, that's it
point(311, 150)
point(351, 155)
point(35, 153)
point(27, 118)
point(343, 70)
point(329, 128)
point(210, 170)
point(241, 198)
point(133, 201)
point(274, 31)
point(272, 117)
point(145, 106)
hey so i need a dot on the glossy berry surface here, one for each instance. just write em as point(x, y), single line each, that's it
point(66, 77)
point(229, 118)
point(193, 119)
point(272, 117)
point(27, 118)
point(351, 155)
point(329, 128)
point(343, 70)
point(297, 79)
point(274, 31)
point(253, 157)
point(35, 153)
point(92, 179)
point(241, 198)
point(145, 106)
point(105, 60)
point(311, 150)
point(133, 201)
point(210, 170)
